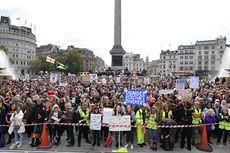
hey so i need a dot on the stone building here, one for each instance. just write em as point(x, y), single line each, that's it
point(21, 45)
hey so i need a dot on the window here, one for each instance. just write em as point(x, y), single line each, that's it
point(199, 47)
point(213, 67)
point(186, 57)
point(186, 68)
point(206, 57)
point(205, 67)
point(221, 47)
point(181, 62)
point(199, 57)
point(191, 62)
point(221, 52)
point(206, 62)
point(205, 47)
point(213, 52)
point(181, 57)
point(206, 52)
point(199, 67)
point(181, 68)
point(191, 57)
point(212, 62)
point(16, 55)
point(213, 56)
point(213, 47)
point(199, 52)
point(174, 66)
point(186, 62)
point(190, 68)
point(199, 62)
point(21, 62)
point(16, 62)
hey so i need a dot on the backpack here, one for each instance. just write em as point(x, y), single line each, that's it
point(2, 141)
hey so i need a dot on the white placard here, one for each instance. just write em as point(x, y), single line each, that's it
point(53, 78)
point(107, 114)
point(104, 81)
point(146, 80)
point(118, 79)
point(194, 83)
point(166, 91)
point(93, 77)
point(95, 122)
point(180, 84)
point(120, 123)
point(63, 84)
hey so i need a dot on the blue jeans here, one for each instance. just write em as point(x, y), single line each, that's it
point(16, 138)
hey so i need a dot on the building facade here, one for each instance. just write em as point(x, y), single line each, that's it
point(153, 68)
point(99, 64)
point(201, 58)
point(167, 63)
point(21, 45)
point(133, 62)
point(88, 58)
point(47, 50)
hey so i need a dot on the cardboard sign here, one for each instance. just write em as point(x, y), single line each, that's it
point(107, 114)
point(180, 84)
point(194, 83)
point(95, 122)
point(135, 97)
point(63, 84)
point(185, 95)
point(120, 123)
point(53, 78)
point(166, 91)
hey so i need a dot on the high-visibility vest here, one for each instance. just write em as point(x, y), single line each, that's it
point(85, 116)
point(169, 115)
point(197, 120)
point(151, 123)
point(224, 125)
point(139, 117)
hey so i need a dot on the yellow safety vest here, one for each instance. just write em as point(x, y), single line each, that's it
point(224, 125)
point(85, 116)
point(139, 117)
point(197, 120)
point(169, 115)
point(151, 123)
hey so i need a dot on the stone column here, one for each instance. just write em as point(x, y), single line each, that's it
point(117, 23)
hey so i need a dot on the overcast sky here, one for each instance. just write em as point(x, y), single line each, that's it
point(147, 25)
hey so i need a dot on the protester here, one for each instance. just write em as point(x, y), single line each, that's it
point(17, 126)
point(224, 126)
point(209, 119)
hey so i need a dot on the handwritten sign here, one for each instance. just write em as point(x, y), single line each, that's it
point(107, 114)
point(194, 83)
point(166, 91)
point(120, 123)
point(135, 97)
point(95, 122)
point(180, 84)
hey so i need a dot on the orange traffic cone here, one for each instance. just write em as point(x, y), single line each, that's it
point(44, 143)
point(203, 145)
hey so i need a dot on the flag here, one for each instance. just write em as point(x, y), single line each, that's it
point(61, 66)
point(25, 21)
point(50, 60)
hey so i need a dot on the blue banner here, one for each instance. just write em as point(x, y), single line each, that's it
point(135, 97)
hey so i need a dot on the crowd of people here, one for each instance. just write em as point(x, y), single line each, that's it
point(37, 101)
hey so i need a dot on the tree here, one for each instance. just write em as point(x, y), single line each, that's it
point(3, 48)
point(40, 64)
point(73, 60)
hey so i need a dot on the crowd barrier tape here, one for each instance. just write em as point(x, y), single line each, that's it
point(107, 125)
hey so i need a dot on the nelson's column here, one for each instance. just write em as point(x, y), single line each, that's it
point(117, 51)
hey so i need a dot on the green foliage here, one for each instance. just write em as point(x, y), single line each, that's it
point(73, 61)
point(3, 48)
point(40, 64)
point(70, 58)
